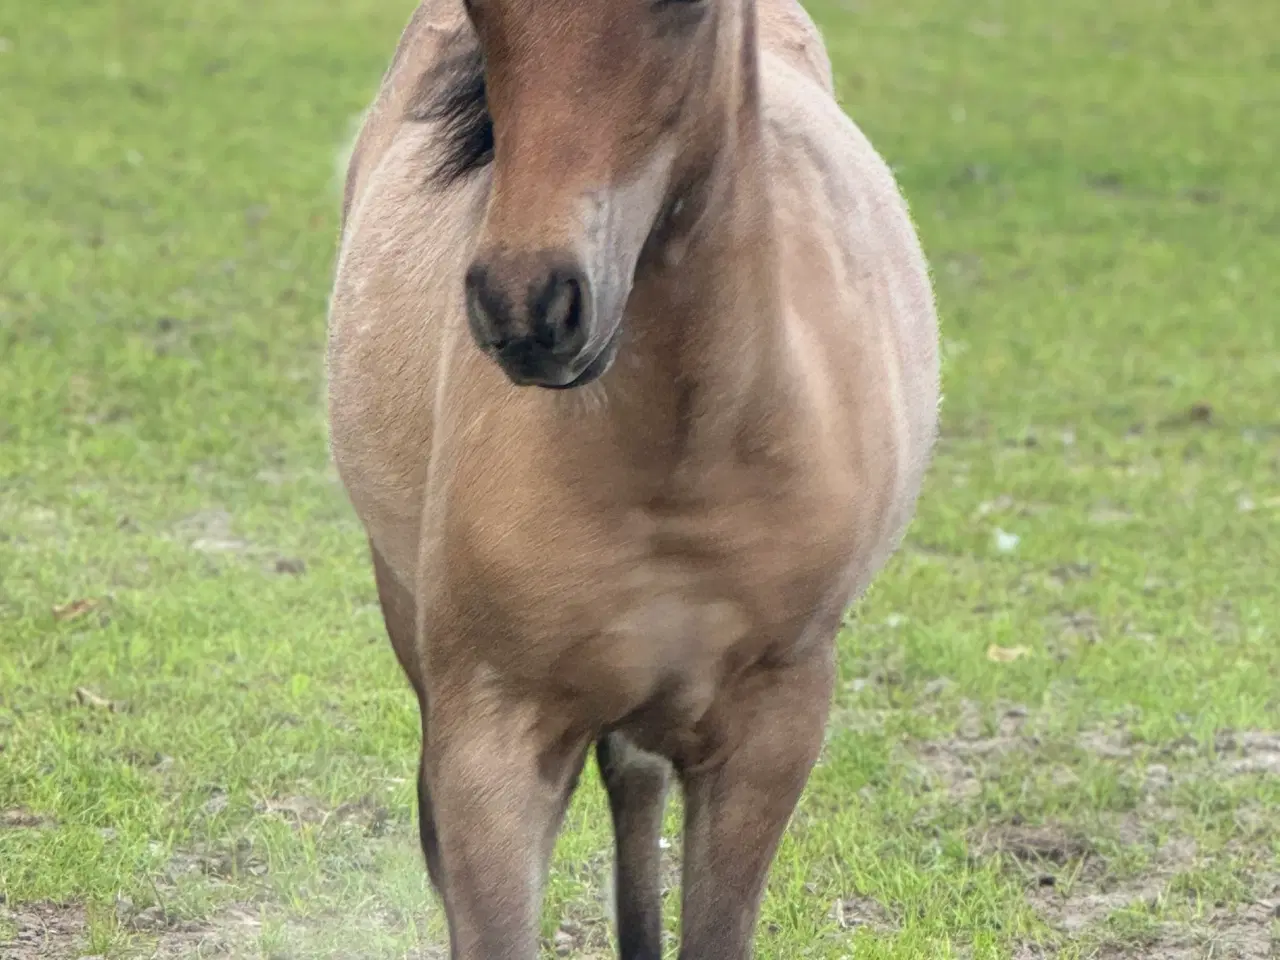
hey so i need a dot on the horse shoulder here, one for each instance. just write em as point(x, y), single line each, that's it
point(834, 191)
point(396, 306)
point(857, 286)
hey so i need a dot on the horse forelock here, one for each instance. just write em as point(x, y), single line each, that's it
point(452, 94)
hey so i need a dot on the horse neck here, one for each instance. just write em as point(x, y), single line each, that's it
point(706, 350)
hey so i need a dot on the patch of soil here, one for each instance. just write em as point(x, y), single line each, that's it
point(1081, 906)
point(1068, 882)
point(46, 931)
point(294, 566)
point(1033, 845)
point(1080, 625)
point(297, 810)
point(55, 931)
point(1111, 744)
point(850, 913)
point(366, 814)
point(20, 818)
point(1251, 751)
point(1244, 934)
point(168, 937)
point(1075, 908)
point(957, 767)
point(210, 531)
point(583, 940)
point(223, 864)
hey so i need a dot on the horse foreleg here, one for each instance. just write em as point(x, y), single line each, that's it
point(637, 786)
point(399, 615)
point(736, 810)
point(499, 791)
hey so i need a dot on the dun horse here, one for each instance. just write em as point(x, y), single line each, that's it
point(633, 382)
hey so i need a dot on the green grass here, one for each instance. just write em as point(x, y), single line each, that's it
point(1096, 186)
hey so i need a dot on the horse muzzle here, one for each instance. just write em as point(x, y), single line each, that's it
point(533, 314)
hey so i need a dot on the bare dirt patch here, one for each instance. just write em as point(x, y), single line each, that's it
point(211, 531)
point(55, 931)
point(1222, 935)
point(958, 766)
point(1118, 919)
point(581, 939)
point(238, 860)
point(20, 818)
point(1090, 901)
point(1074, 908)
point(45, 931)
point(1251, 751)
point(1034, 845)
point(366, 814)
point(159, 936)
point(850, 913)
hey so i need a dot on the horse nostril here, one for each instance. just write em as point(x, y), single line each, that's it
point(573, 313)
point(557, 311)
point(479, 297)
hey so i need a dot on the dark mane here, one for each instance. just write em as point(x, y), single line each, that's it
point(452, 94)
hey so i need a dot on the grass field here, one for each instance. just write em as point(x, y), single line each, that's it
point(1057, 731)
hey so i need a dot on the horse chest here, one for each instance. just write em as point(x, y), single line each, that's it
point(614, 608)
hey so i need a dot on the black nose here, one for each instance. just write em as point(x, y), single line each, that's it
point(530, 312)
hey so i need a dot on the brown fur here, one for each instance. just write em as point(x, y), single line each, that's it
point(656, 562)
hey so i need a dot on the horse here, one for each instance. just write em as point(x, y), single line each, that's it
point(633, 383)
